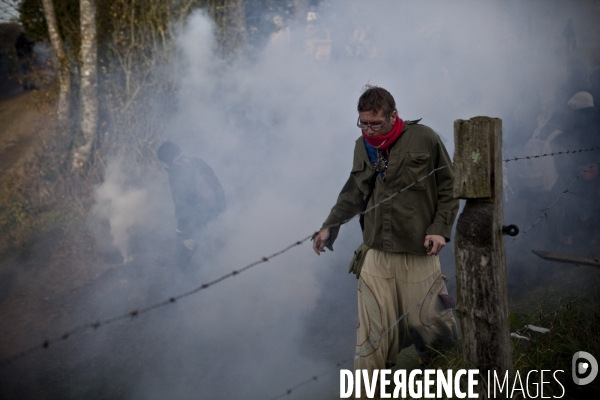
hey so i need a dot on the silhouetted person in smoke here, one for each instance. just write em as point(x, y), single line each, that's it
point(569, 34)
point(593, 82)
point(572, 127)
point(197, 194)
point(581, 215)
point(24, 48)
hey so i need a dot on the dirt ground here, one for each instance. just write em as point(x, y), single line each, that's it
point(19, 126)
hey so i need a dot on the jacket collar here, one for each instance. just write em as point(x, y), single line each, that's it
point(362, 150)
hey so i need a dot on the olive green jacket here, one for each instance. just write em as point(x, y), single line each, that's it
point(401, 223)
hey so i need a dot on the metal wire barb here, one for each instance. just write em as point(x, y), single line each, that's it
point(544, 211)
point(136, 313)
point(315, 378)
point(552, 154)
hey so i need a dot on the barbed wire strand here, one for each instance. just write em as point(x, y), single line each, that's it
point(358, 354)
point(171, 300)
point(137, 312)
point(552, 154)
point(310, 380)
point(376, 342)
point(544, 211)
point(340, 363)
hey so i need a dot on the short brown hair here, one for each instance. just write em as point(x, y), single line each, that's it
point(376, 98)
point(167, 152)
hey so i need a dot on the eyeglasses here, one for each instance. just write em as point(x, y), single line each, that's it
point(375, 127)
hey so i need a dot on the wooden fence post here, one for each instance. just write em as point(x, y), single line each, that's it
point(482, 305)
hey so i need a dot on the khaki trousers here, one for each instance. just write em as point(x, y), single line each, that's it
point(390, 285)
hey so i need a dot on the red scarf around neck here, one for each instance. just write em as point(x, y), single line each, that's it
point(385, 141)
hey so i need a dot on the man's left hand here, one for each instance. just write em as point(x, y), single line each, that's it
point(434, 244)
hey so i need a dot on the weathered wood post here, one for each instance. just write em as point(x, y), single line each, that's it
point(482, 305)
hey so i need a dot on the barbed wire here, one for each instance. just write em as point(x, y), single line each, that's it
point(357, 354)
point(544, 211)
point(552, 154)
point(567, 304)
point(171, 300)
point(376, 342)
point(340, 363)
point(315, 378)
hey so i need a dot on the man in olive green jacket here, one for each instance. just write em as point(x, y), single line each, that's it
point(403, 171)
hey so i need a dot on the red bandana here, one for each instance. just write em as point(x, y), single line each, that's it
point(385, 141)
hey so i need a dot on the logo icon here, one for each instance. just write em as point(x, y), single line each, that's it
point(584, 364)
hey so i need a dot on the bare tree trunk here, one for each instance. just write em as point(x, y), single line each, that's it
point(64, 67)
point(300, 10)
point(230, 18)
point(89, 82)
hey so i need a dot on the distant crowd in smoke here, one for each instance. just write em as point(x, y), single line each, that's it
point(568, 119)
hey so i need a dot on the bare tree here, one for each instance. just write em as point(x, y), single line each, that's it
point(8, 11)
point(89, 82)
point(230, 18)
point(63, 64)
point(301, 7)
point(125, 48)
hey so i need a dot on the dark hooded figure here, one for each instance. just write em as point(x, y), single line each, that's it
point(593, 81)
point(24, 48)
point(197, 194)
point(582, 217)
point(569, 34)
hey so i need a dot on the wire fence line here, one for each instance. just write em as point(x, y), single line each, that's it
point(360, 353)
point(544, 211)
point(552, 154)
point(171, 300)
point(315, 378)
point(518, 332)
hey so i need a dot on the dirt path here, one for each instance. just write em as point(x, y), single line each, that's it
point(19, 126)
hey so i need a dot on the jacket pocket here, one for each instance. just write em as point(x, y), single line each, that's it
point(358, 259)
point(416, 168)
point(363, 177)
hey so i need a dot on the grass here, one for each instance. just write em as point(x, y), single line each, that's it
point(43, 213)
point(574, 326)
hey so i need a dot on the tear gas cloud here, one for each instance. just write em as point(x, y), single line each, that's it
point(278, 128)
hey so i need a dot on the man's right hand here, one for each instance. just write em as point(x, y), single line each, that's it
point(320, 241)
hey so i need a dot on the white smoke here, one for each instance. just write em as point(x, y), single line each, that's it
point(130, 208)
point(278, 128)
point(124, 208)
